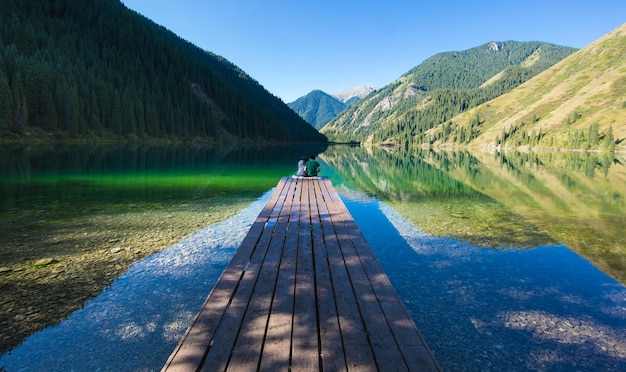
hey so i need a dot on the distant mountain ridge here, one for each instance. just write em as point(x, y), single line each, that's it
point(318, 107)
point(441, 87)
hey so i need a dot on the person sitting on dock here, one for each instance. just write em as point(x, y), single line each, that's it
point(301, 167)
point(312, 167)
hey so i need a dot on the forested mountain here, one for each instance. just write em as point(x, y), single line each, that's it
point(440, 88)
point(95, 69)
point(579, 103)
point(317, 108)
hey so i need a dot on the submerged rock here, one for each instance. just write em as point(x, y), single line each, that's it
point(45, 262)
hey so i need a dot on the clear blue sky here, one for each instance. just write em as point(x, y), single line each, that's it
point(294, 46)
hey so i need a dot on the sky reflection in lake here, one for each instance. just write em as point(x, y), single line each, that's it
point(544, 308)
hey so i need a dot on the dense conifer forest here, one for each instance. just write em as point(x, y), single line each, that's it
point(93, 69)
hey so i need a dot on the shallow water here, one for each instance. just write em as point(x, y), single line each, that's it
point(544, 308)
point(137, 322)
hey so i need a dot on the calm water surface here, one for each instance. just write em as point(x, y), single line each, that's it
point(504, 262)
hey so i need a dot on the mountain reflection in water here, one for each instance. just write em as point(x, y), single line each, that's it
point(495, 200)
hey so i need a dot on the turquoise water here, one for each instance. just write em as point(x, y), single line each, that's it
point(495, 277)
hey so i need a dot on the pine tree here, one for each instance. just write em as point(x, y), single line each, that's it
point(72, 112)
point(116, 116)
point(609, 140)
point(593, 135)
point(20, 118)
point(7, 108)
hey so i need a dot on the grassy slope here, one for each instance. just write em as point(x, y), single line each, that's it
point(591, 82)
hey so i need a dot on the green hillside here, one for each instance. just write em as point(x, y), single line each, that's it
point(317, 108)
point(579, 103)
point(440, 88)
point(94, 69)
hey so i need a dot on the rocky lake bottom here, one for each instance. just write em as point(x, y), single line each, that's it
point(51, 265)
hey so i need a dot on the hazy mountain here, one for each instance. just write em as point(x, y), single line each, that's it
point(353, 95)
point(441, 87)
point(317, 108)
point(97, 70)
point(578, 103)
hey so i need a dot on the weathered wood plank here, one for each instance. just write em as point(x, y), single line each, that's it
point(247, 350)
point(413, 347)
point(305, 354)
point(380, 336)
point(386, 306)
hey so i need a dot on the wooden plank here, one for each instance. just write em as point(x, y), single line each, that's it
point(414, 349)
point(382, 341)
point(247, 350)
point(277, 345)
point(383, 309)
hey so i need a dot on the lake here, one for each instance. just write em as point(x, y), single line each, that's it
point(505, 261)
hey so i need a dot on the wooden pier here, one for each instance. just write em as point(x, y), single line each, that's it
point(303, 292)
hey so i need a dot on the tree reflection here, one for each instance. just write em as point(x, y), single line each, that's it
point(500, 199)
